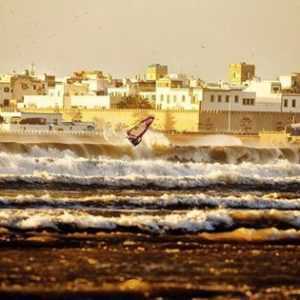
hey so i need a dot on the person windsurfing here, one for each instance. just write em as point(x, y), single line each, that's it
point(135, 134)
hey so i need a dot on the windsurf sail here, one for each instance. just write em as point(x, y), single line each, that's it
point(136, 133)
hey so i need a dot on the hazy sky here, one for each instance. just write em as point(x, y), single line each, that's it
point(198, 37)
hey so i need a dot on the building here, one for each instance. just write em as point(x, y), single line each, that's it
point(290, 102)
point(168, 82)
point(290, 83)
point(168, 98)
point(91, 102)
point(122, 91)
point(26, 84)
point(268, 95)
point(156, 71)
point(219, 99)
point(53, 99)
point(5, 91)
point(239, 73)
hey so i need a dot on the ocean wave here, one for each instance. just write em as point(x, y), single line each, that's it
point(235, 154)
point(193, 221)
point(162, 201)
point(67, 163)
point(253, 235)
point(265, 179)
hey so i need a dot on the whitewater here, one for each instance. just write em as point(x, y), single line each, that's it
point(214, 188)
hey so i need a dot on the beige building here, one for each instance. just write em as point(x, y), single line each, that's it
point(290, 83)
point(178, 98)
point(5, 92)
point(167, 82)
point(239, 73)
point(157, 71)
point(26, 84)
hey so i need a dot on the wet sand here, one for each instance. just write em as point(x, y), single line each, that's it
point(138, 266)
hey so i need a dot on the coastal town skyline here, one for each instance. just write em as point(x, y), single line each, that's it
point(196, 37)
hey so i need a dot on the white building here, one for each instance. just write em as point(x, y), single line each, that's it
point(290, 82)
point(97, 86)
point(227, 100)
point(90, 102)
point(149, 96)
point(290, 103)
point(268, 95)
point(53, 99)
point(178, 98)
point(258, 96)
point(122, 91)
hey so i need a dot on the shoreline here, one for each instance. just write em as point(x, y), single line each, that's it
point(128, 266)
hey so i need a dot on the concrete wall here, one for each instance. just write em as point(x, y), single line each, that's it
point(189, 121)
point(90, 101)
point(164, 120)
point(245, 122)
point(42, 101)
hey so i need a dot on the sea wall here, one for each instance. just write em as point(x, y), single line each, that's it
point(245, 122)
point(172, 120)
point(186, 121)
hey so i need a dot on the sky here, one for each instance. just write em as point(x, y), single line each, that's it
point(122, 37)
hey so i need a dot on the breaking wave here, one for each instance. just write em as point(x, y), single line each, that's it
point(218, 192)
point(193, 221)
point(162, 201)
point(157, 148)
point(54, 167)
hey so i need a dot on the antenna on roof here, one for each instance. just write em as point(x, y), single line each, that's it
point(32, 72)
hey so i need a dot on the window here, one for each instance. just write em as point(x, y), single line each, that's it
point(248, 101)
point(174, 98)
point(212, 98)
point(168, 99)
point(153, 97)
point(183, 98)
point(194, 99)
point(6, 90)
point(220, 98)
point(34, 87)
point(227, 98)
point(286, 103)
point(236, 99)
point(161, 97)
point(294, 103)
point(24, 86)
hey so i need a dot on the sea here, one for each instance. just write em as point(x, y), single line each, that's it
point(208, 218)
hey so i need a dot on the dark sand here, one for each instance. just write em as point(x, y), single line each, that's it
point(138, 266)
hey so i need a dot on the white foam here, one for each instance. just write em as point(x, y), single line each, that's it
point(166, 200)
point(188, 221)
point(192, 221)
point(216, 140)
